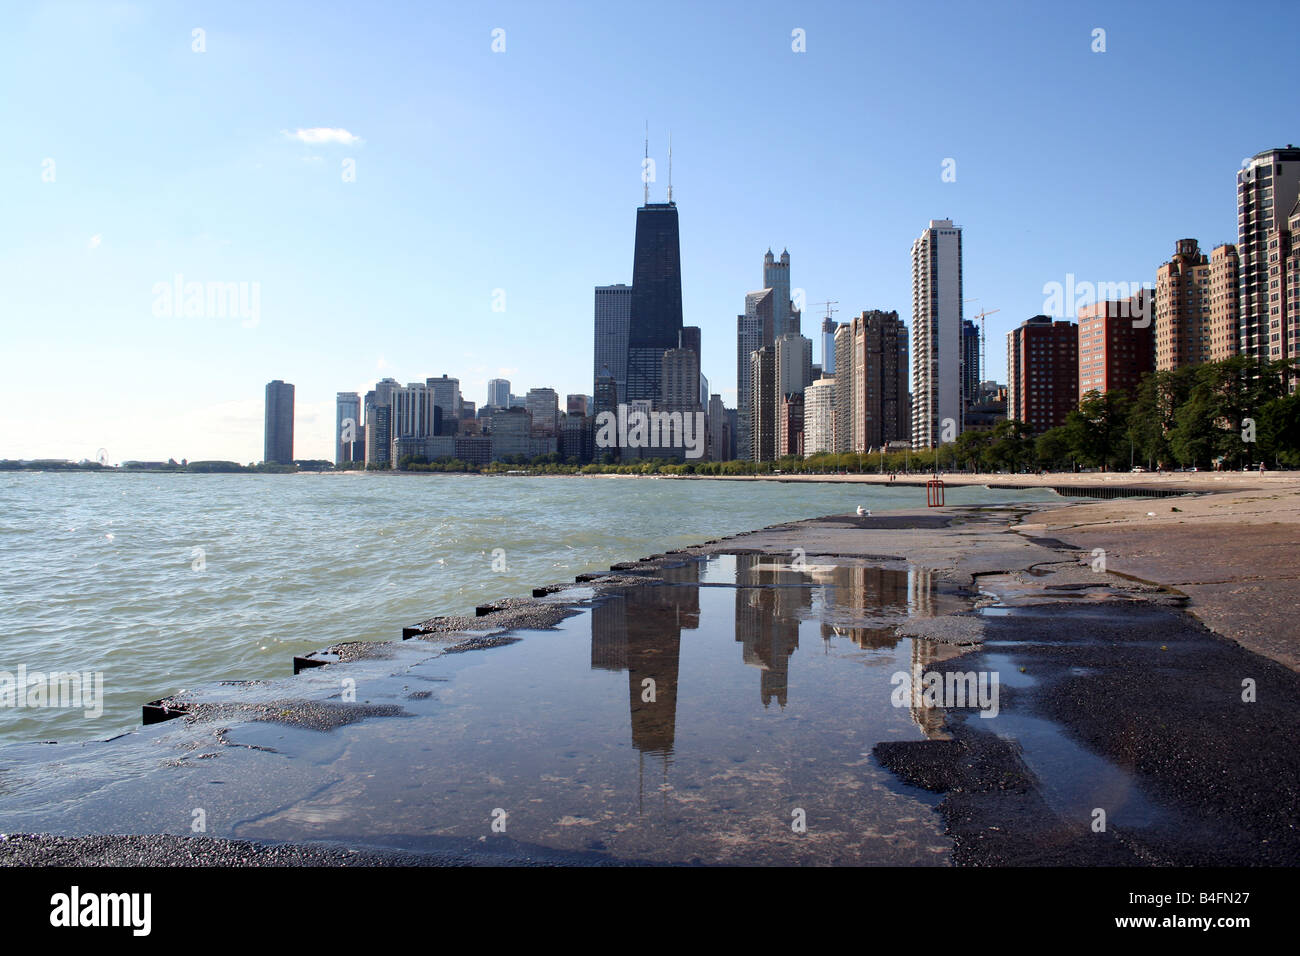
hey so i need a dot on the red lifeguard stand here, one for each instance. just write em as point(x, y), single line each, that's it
point(934, 493)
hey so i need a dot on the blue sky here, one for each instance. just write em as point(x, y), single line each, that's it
point(520, 171)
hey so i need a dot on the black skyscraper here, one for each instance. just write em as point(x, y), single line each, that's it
point(656, 318)
point(278, 437)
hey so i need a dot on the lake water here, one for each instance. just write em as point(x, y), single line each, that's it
point(164, 582)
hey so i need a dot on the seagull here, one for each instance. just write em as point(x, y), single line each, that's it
point(863, 511)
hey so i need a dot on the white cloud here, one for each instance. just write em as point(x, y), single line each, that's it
point(318, 135)
point(95, 241)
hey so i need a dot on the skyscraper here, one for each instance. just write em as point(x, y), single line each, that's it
point(379, 422)
point(347, 425)
point(1284, 285)
point(717, 429)
point(277, 445)
point(655, 319)
point(415, 413)
point(762, 390)
point(498, 393)
point(613, 314)
point(871, 395)
point(446, 395)
point(606, 398)
point(754, 329)
point(792, 373)
point(789, 426)
point(681, 381)
point(689, 338)
point(819, 417)
point(970, 362)
point(844, 389)
point(1267, 189)
point(937, 412)
point(828, 346)
point(776, 276)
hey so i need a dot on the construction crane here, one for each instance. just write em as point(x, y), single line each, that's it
point(829, 310)
point(983, 353)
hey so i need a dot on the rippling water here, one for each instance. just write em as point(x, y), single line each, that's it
point(162, 582)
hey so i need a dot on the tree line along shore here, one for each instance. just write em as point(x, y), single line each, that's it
point(1216, 416)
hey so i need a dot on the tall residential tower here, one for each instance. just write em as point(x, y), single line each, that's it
point(937, 412)
point(1267, 188)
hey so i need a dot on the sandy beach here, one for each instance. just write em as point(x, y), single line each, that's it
point(1236, 554)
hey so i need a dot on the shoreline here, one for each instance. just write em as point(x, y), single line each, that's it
point(1008, 556)
point(1188, 482)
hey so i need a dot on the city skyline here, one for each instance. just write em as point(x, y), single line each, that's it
point(251, 193)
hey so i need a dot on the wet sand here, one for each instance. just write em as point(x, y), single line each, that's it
point(1236, 555)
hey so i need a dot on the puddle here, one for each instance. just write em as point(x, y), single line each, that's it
point(670, 723)
point(1072, 780)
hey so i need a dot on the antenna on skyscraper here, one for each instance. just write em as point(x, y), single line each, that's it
point(670, 166)
point(645, 165)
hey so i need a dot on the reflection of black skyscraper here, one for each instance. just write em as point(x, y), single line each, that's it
point(640, 631)
point(656, 318)
point(767, 621)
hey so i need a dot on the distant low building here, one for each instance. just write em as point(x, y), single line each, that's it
point(511, 431)
point(474, 449)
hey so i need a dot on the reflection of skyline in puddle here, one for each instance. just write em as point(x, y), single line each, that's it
point(640, 632)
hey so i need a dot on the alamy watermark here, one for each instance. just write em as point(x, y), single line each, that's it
point(953, 689)
point(65, 689)
point(1064, 300)
point(208, 300)
point(637, 428)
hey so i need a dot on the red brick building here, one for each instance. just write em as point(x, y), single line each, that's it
point(1117, 344)
point(1042, 372)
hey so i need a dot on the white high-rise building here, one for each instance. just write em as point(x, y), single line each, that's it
point(937, 411)
point(819, 417)
point(498, 393)
point(412, 415)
